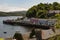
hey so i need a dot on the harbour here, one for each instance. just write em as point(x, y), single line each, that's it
point(10, 29)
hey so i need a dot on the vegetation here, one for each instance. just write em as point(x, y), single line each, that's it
point(16, 13)
point(42, 10)
point(55, 38)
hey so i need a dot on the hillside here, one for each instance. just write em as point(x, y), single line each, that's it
point(42, 10)
point(15, 13)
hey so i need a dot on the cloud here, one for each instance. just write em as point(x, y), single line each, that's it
point(8, 8)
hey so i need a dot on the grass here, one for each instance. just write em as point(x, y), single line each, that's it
point(55, 38)
point(1, 38)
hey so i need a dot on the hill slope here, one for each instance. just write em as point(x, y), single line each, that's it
point(16, 13)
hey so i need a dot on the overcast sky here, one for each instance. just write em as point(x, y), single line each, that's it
point(19, 5)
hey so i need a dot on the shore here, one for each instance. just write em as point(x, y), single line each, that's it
point(46, 34)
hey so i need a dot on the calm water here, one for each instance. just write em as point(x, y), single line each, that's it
point(10, 29)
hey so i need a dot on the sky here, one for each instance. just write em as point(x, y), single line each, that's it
point(20, 5)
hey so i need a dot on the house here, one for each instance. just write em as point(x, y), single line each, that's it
point(54, 11)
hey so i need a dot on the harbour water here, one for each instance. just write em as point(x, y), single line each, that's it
point(11, 29)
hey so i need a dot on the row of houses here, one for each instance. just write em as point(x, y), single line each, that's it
point(38, 21)
point(43, 21)
point(54, 11)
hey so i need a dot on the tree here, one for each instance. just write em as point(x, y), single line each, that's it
point(51, 7)
point(41, 10)
point(55, 5)
point(31, 12)
point(57, 16)
point(41, 14)
point(41, 6)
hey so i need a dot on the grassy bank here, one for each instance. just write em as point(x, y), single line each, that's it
point(54, 38)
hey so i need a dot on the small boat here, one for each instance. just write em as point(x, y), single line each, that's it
point(8, 22)
point(4, 32)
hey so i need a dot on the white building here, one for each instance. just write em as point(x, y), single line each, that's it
point(54, 11)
